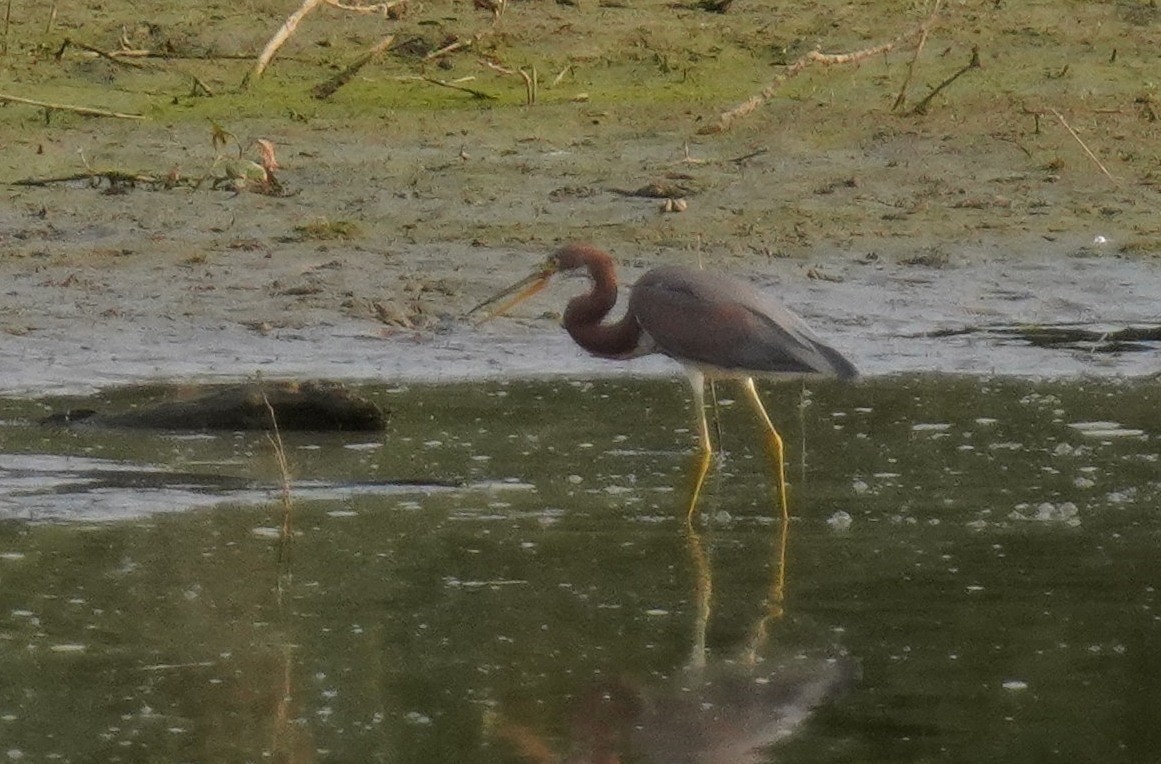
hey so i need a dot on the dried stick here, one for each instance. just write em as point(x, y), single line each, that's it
point(144, 53)
point(453, 46)
point(283, 34)
point(327, 89)
point(288, 28)
point(103, 54)
point(725, 119)
point(86, 110)
point(7, 24)
point(530, 80)
point(563, 73)
point(902, 97)
point(384, 8)
point(445, 84)
point(199, 86)
point(974, 63)
point(120, 58)
point(114, 177)
point(1091, 155)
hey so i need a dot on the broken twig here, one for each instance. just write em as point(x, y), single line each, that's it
point(445, 84)
point(284, 33)
point(383, 8)
point(68, 41)
point(7, 25)
point(753, 102)
point(974, 63)
point(902, 97)
point(88, 111)
point(454, 45)
point(288, 28)
point(327, 89)
point(1088, 151)
point(531, 81)
point(115, 179)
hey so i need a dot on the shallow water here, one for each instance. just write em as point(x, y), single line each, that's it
point(970, 575)
point(977, 319)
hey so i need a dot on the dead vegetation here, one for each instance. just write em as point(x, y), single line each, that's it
point(509, 43)
point(825, 73)
point(815, 57)
point(327, 230)
point(230, 169)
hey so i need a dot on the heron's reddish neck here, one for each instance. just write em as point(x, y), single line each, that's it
point(583, 316)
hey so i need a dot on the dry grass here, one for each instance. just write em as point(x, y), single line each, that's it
point(275, 439)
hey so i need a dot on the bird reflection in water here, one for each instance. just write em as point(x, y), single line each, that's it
point(727, 709)
point(714, 710)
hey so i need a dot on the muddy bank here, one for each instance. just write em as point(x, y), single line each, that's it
point(206, 285)
point(399, 212)
point(876, 313)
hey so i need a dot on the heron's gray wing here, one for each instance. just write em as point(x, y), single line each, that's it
point(718, 321)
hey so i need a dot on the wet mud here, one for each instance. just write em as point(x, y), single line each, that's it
point(1016, 198)
point(977, 318)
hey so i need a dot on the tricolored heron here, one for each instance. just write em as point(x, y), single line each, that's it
point(714, 325)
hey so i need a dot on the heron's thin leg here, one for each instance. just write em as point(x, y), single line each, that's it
point(778, 587)
point(774, 441)
point(713, 394)
point(697, 382)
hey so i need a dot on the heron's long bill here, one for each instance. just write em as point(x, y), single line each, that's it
point(524, 289)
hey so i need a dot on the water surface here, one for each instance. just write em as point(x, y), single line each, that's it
point(970, 575)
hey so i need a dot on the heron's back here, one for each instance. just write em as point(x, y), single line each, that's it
point(723, 323)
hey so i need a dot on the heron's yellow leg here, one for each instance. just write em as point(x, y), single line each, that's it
point(700, 471)
point(703, 595)
point(774, 442)
point(703, 581)
point(697, 382)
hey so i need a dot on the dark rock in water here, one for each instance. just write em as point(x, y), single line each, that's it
point(302, 406)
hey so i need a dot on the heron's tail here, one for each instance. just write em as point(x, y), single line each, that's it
point(839, 365)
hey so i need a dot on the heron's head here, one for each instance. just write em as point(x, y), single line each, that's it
point(575, 256)
point(568, 259)
point(521, 290)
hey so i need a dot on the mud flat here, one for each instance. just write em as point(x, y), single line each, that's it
point(1026, 193)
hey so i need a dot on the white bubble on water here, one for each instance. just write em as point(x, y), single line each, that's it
point(840, 521)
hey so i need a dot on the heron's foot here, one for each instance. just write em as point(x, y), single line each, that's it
point(697, 661)
point(701, 469)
